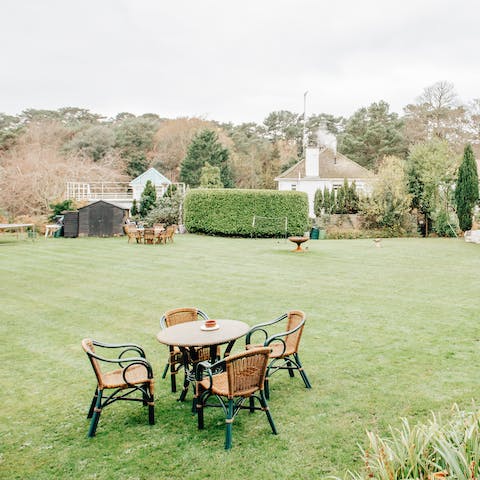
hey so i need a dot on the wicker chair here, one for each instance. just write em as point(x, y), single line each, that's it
point(175, 360)
point(134, 375)
point(149, 235)
point(131, 232)
point(232, 380)
point(168, 234)
point(284, 346)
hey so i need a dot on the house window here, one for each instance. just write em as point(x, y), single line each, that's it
point(293, 186)
point(336, 186)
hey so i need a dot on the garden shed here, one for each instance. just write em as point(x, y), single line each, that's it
point(101, 219)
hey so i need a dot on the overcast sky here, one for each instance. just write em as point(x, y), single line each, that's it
point(233, 60)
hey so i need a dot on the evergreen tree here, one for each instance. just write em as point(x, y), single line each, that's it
point(333, 201)
point(134, 209)
point(466, 191)
point(210, 177)
point(148, 198)
point(326, 204)
point(318, 203)
point(205, 147)
point(341, 197)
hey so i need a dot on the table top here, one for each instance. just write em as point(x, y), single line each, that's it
point(189, 334)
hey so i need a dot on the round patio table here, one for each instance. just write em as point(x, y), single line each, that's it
point(189, 335)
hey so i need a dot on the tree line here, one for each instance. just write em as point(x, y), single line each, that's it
point(41, 149)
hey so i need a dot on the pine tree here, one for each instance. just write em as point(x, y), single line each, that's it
point(205, 147)
point(148, 198)
point(134, 209)
point(318, 203)
point(466, 191)
point(333, 201)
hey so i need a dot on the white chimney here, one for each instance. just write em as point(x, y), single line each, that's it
point(311, 162)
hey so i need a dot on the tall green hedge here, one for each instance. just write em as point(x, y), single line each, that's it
point(231, 211)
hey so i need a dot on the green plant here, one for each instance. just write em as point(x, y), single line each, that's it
point(318, 203)
point(58, 208)
point(445, 223)
point(134, 209)
point(466, 191)
point(230, 212)
point(148, 199)
point(166, 211)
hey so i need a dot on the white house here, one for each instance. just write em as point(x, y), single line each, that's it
point(160, 182)
point(324, 167)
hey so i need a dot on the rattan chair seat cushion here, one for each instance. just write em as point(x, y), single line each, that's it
point(136, 374)
point(277, 350)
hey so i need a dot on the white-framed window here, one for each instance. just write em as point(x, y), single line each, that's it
point(293, 186)
point(336, 186)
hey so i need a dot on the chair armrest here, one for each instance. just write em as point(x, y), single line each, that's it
point(121, 361)
point(260, 328)
point(126, 346)
point(137, 361)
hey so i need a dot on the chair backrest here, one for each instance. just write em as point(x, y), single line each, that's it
point(246, 371)
point(170, 231)
point(148, 234)
point(183, 315)
point(89, 348)
point(295, 318)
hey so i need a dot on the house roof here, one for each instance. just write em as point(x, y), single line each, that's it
point(330, 165)
point(153, 175)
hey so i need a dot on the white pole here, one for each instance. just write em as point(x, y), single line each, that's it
point(304, 146)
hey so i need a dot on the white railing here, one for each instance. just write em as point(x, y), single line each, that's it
point(120, 191)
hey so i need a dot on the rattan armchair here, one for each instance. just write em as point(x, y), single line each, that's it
point(232, 381)
point(175, 360)
point(133, 375)
point(168, 234)
point(284, 345)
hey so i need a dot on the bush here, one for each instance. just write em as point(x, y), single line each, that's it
point(445, 224)
point(230, 212)
point(167, 211)
point(58, 208)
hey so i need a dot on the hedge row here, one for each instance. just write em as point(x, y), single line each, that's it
point(231, 211)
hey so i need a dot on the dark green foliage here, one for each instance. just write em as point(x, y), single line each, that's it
point(58, 208)
point(148, 198)
point(204, 148)
point(327, 201)
point(134, 209)
point(466, 191)
point(93, 142)
point(171, 190)
point(230, 212)
point(134, 138)
point(318, 203)
point(372, 133)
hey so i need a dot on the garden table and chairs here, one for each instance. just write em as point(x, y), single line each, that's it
point(193, 337)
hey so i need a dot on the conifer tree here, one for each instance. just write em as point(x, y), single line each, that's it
point(148, 198)
point(327, 205)
point(466, 190)
point(205, 147)
point(318, 203)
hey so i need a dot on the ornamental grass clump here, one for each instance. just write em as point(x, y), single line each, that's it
point(432, 451)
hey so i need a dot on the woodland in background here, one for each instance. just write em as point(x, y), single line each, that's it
point(40, 150)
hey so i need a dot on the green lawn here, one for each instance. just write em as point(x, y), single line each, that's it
point(391, 332)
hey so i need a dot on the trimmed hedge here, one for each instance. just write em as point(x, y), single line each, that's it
point(230, 212)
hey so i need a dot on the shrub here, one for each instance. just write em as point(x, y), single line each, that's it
point(58, 208)
point(167, 211)
point(445, 224)
point(230, 212)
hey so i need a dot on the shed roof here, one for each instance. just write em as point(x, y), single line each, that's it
point(153, 175)
point(106, 203)
point(330, 165)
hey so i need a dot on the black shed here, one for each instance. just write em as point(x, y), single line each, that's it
point(101, 219)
